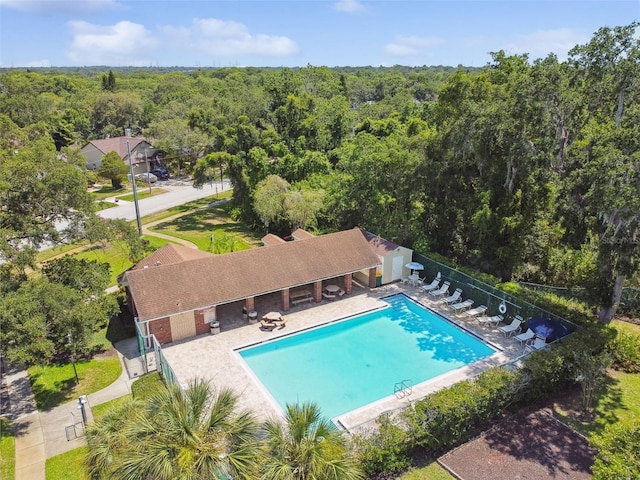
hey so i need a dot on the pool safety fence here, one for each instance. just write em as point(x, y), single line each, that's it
point(153, 357)
point(629, 300)
point(497, 301)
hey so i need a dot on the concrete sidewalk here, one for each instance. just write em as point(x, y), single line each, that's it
point(41, 435)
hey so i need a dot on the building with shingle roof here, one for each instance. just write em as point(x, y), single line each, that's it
point(174, 297)
point(393, 258)
point(141, 152)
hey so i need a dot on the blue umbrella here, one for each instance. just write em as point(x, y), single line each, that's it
point(547, 328)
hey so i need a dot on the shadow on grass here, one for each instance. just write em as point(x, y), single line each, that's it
point(121, 327)
point(607, 401)
point(48, 397)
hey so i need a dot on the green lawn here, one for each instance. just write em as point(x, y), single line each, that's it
point(199, 227)
point(101, 410)
point(617, 402)
point(147, 385)
point(143, 192)
point(7, 450)
point(116, 255)
point(107, 191)
point(49, 253)
point(67, 466)
point(433, 471)
point(56, 384)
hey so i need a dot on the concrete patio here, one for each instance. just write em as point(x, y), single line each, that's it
point(214, 357)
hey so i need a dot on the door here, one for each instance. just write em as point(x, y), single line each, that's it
point(396, 269)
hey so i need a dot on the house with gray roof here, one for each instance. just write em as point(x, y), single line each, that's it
point(143, 154)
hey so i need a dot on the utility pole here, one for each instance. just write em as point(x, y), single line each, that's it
point(135, 190)
point(73, 356)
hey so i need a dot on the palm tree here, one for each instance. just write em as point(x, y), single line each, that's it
point(190, 434)
point(307, 447)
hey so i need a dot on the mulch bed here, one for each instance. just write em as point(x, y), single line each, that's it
point(524, 446)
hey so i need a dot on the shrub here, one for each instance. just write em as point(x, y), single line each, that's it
point(386, 450)
point(551, 369)
point(617, 457)
point(625, 351)
point(452, 415)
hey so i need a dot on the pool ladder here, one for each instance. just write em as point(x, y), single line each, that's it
point(403, 389)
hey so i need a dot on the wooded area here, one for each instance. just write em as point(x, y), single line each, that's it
point(525, 170)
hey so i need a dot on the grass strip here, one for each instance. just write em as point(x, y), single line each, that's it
point(55, 384)
point(67, 466)
point(7, 450)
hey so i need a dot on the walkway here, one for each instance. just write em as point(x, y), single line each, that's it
point(41, 435)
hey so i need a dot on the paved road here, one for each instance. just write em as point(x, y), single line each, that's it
point(178, 195)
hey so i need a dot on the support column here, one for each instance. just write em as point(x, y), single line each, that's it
point(249, 304)
point(348, 283)
point(372, 277)
point(284, 299)
point(317, 291)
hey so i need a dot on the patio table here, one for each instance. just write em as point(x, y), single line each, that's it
point(332, 288)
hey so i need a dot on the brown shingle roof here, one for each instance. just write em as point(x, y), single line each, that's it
point(164, 290)
point(170, 254)
point(300, 234)
point(271, 239)
point(379, 245)
point(117, 144)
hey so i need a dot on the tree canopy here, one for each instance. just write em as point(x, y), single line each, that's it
point(524, 169)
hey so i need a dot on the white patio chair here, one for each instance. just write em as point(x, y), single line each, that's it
point(526, 337)
point(513, 327)
point(442, 291)
point(462, 306)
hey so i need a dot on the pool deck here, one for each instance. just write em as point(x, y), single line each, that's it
point(213, 357)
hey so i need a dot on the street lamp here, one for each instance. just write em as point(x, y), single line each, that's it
point(73, 356)
point(135, 190)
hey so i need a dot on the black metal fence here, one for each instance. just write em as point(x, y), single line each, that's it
point(484, 294)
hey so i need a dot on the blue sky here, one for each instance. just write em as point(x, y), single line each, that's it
point(208, 33)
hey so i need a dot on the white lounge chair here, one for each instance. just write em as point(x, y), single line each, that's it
point(432, 286)
point(456, 296)
point(493, 320)
point(462, 306)
point(474, 312)
point(513, 327)
point(442, 291)
point(537, 344)
point(526, 337)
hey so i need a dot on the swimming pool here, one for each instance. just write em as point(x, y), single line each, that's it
point(350, 363)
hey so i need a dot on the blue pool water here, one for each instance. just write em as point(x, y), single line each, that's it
point(348, 364)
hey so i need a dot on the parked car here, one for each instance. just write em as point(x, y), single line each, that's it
point(147, 177)
point(161, 173)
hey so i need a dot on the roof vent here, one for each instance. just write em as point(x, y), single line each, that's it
point(146, 266)
point(127, 132)
point(157, 264)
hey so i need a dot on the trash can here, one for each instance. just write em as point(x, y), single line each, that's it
point(244, 312)
point(215, 327)
point(253, 316)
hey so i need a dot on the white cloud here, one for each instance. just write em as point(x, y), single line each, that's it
point(409, 46)
point(124, 43)
point(37, 64)
point(211, 36)
point(543, 42)
point(61, 6)
point(349, 6)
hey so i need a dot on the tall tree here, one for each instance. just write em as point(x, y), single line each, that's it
point(605, 176)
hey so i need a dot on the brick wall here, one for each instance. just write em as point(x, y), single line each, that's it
point(161, 329)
